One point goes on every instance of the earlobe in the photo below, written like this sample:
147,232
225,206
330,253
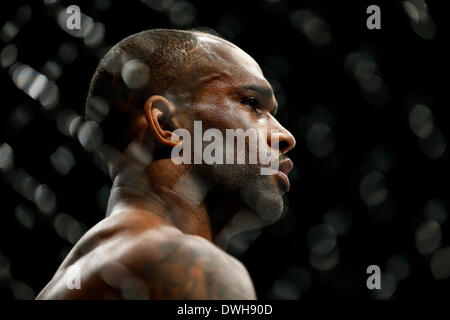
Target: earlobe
157,110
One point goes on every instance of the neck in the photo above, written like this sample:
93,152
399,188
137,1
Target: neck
175,194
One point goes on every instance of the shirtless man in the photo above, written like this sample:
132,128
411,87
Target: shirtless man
168,225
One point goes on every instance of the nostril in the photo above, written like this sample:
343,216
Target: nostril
283,145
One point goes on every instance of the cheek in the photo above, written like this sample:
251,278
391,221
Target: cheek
238,118
224,115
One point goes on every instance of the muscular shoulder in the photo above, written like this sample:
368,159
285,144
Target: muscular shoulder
132,260
173,265
99,258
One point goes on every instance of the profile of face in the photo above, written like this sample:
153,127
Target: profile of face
232,93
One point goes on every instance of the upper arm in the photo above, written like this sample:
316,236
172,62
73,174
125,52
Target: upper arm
188,267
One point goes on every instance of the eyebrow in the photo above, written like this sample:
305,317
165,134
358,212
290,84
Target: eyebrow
267,92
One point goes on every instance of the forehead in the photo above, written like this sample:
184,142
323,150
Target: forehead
229,64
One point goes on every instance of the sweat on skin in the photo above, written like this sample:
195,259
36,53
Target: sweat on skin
167,226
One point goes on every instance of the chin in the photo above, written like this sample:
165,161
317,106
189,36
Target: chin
269,207
264,199
261,194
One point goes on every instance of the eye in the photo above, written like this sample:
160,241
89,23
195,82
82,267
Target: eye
252,102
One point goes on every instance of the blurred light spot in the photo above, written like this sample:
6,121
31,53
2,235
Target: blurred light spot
75,125
19,117
49,97
64,120
68,228
52,69
62,160
8,55
85,23
119,277
31,82
325,262
135,74
338,220
421,22
434,209
182,13
24,184
320,140
299,276
388,287
5,268
372,83
112,273
94,34
133,288
157,4
413,12
373,189
141,154
98,109
380,94
21,75
428,236
37,86
321,239
421,120
90,135
6,157
284,289
425,30
353,61
239,244
440,263
398,267
23,14
364,68
45,199
22,291
434,145
312,26
9,31
24,216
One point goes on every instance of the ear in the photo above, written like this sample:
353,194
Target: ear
157,111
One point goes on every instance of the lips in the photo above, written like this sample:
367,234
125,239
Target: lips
284,168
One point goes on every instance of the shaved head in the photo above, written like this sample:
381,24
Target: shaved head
160,61
151,93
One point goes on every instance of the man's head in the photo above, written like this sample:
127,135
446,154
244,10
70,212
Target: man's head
158,81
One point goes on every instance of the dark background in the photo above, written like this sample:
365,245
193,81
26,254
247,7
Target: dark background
368,109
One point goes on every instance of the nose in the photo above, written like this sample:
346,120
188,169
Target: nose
286,140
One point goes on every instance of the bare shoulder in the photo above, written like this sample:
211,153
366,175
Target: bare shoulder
96,261
178,266
136,259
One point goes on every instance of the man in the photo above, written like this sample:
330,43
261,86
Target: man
168,224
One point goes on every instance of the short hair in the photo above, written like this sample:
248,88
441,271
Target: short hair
139,66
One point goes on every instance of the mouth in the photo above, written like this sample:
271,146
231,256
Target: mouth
284,168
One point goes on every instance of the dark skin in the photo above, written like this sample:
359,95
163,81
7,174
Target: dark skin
168,225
